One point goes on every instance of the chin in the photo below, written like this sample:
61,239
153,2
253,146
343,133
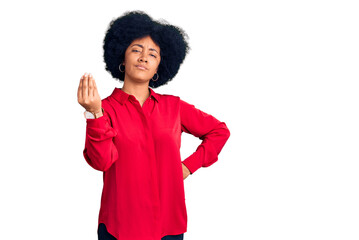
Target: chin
140,77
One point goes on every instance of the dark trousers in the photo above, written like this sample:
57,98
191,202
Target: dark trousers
104,235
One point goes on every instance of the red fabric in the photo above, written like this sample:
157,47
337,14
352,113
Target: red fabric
138,150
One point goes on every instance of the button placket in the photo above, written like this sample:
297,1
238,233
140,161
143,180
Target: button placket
154,173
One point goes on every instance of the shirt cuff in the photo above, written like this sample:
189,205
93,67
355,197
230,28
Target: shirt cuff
97,122
192,163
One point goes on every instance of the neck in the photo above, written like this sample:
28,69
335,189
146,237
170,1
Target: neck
140,91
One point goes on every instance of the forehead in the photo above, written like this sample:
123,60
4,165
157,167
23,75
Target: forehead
146,42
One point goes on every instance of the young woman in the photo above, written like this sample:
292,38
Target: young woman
134,135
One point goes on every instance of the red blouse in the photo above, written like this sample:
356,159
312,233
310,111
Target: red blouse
138,150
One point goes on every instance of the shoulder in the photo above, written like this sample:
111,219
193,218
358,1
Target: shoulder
168,103
176,100
168,97
164,98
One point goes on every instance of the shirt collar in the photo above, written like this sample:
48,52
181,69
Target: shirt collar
122,96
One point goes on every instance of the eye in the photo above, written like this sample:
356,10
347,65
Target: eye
134,50
153,55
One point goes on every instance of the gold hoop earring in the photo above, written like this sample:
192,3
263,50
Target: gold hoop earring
156,78
120,67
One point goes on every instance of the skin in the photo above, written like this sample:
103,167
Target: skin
144,52
141,51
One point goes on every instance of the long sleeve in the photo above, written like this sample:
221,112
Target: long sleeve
100,151
213,133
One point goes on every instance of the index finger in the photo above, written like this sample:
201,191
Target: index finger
79,90
84,86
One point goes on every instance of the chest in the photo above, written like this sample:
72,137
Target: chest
137,125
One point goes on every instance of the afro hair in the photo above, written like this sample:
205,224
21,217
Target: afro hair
132,25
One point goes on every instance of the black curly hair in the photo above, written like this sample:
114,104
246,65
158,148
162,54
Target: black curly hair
132,25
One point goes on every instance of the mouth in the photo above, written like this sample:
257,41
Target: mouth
141,67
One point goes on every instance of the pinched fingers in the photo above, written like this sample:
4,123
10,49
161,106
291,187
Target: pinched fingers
90,87
94,88
87,94
79,90
85,87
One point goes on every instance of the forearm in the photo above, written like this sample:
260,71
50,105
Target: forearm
207,152
100,151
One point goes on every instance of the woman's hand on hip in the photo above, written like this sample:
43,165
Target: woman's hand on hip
185,171
87,94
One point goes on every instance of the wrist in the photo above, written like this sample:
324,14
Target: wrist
89,114
99,112
186,168
94,110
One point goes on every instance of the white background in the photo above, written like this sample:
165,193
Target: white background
283,76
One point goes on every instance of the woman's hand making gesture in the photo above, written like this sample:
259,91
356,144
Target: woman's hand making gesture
87,94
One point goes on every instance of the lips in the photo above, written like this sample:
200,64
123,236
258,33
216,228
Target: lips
141,67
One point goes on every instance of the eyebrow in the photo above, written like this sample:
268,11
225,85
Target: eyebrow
152,49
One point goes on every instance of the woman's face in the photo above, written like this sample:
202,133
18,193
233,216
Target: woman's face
142,58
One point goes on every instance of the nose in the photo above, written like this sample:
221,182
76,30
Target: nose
143,58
